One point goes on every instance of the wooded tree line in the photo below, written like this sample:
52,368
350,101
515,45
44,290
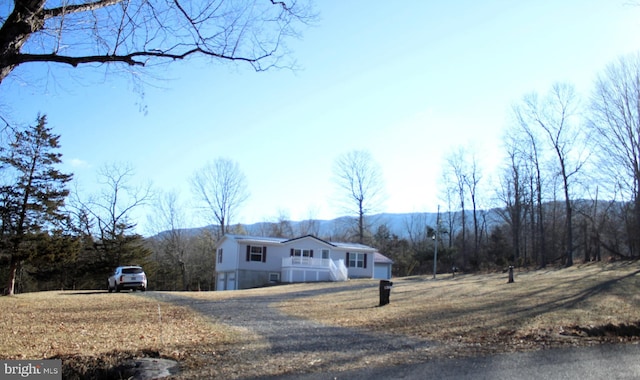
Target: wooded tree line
568,188
51,237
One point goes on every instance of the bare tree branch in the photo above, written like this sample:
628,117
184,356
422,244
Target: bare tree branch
360,177
134,32
221,188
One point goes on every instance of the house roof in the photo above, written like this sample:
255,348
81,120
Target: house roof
381,259
274,240
255,239
311,237
378,257
353,246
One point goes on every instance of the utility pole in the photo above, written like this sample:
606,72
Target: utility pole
435,238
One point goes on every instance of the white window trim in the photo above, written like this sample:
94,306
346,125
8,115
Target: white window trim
256,254
357,258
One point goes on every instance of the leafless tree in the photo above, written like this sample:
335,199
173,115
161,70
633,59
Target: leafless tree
527,158
280,226
449,218
417,229
615,121
473,181
463,173
118,198
170,241
419,239
108,216
555,117
455,176
537,220
140,33
309,226
221,188
512,192
360,178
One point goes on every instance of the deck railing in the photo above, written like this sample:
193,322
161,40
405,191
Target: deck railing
305,261
337,270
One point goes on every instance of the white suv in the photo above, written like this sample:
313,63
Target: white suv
127,277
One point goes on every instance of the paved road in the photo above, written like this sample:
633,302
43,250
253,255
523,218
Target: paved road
607,362
287,335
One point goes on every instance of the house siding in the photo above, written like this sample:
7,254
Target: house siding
248,279
272,263
364,272
229,256
251,274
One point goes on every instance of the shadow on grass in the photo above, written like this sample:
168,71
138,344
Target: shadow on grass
94,292
561,294
290,337
84,293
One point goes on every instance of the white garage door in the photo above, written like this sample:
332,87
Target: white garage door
381,271
221,281
231,281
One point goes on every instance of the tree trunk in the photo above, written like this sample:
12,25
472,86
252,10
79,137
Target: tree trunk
569,225
13,269
636,224
183,273
476,242
361,223
586,243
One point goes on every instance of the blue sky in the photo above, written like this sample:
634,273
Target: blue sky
408,81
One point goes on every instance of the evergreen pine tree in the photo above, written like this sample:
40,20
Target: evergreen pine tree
33,193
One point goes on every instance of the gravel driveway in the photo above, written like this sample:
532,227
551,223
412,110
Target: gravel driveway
299,345
301,349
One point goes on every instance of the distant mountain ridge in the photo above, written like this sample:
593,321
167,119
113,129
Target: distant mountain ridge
397,223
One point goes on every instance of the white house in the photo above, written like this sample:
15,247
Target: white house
244,262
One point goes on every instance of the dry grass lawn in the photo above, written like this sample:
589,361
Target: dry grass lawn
95,331
470,314
580,305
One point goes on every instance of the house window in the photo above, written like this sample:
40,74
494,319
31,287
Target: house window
274,277
301,256
325,253
219,255
303,253
357,260
256,253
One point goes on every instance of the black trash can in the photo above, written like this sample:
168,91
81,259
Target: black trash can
385,291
